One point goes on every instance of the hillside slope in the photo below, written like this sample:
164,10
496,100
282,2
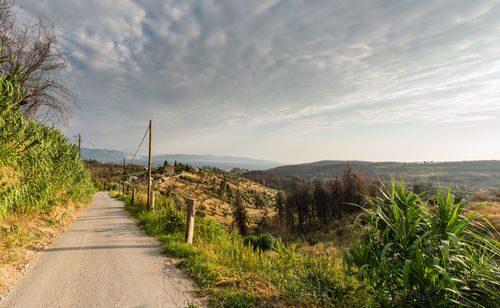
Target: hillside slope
215,193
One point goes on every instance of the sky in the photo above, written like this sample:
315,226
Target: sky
289,81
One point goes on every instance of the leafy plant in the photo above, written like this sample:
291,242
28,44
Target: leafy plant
266,241
251,240
411,255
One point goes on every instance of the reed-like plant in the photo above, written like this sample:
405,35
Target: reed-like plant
46,165
409,254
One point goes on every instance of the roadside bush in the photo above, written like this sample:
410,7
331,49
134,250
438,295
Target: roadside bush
98,185
408,255
209,229
251,240
266,241
173,221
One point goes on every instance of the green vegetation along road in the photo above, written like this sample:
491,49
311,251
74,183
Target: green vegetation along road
102,260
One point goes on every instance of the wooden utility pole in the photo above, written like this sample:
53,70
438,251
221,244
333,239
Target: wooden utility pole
149,166
123,177
79,145
189,220
152,207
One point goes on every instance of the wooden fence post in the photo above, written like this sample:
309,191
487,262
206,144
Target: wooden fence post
190,220
133,196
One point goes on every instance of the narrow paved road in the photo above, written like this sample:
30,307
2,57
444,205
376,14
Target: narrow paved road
102,260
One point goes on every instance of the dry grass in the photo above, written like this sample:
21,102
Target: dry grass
8,176
491,210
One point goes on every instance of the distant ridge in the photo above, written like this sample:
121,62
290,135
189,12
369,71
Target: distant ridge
221,162
108,156
466,175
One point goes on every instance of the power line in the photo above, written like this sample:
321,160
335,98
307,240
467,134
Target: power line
147,129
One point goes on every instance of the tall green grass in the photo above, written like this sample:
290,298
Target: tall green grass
39,167
411,254
238,275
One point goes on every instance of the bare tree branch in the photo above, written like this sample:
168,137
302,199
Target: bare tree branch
33,47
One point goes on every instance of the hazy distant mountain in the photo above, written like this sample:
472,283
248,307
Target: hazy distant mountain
222,162
466,175
108,156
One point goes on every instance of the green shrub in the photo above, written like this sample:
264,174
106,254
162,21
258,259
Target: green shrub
266,241
201,211
203,270
173,221
209,229
263,242
409,255
234,298
251,240
98,185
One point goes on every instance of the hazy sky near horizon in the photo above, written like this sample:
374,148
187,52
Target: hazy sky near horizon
289,81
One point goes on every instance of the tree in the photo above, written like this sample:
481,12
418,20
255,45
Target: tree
321,200
240,216
223,187
33,48
337,195
259,201
280,206
229,191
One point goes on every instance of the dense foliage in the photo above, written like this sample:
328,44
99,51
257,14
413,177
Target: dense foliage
38,165
411,254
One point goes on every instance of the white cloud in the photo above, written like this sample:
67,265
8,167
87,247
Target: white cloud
292,66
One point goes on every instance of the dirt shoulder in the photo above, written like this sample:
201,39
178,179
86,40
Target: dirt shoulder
24,236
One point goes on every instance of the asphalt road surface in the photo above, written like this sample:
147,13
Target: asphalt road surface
102,260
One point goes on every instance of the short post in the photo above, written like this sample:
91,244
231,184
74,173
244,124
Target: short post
133,196
190,220
152,199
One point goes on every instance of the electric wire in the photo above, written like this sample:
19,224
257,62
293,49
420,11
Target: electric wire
147,129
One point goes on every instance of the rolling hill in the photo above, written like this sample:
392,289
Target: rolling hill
462,175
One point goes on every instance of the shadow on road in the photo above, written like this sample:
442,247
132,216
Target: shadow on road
100,247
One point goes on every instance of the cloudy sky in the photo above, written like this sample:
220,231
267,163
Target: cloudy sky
289,81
